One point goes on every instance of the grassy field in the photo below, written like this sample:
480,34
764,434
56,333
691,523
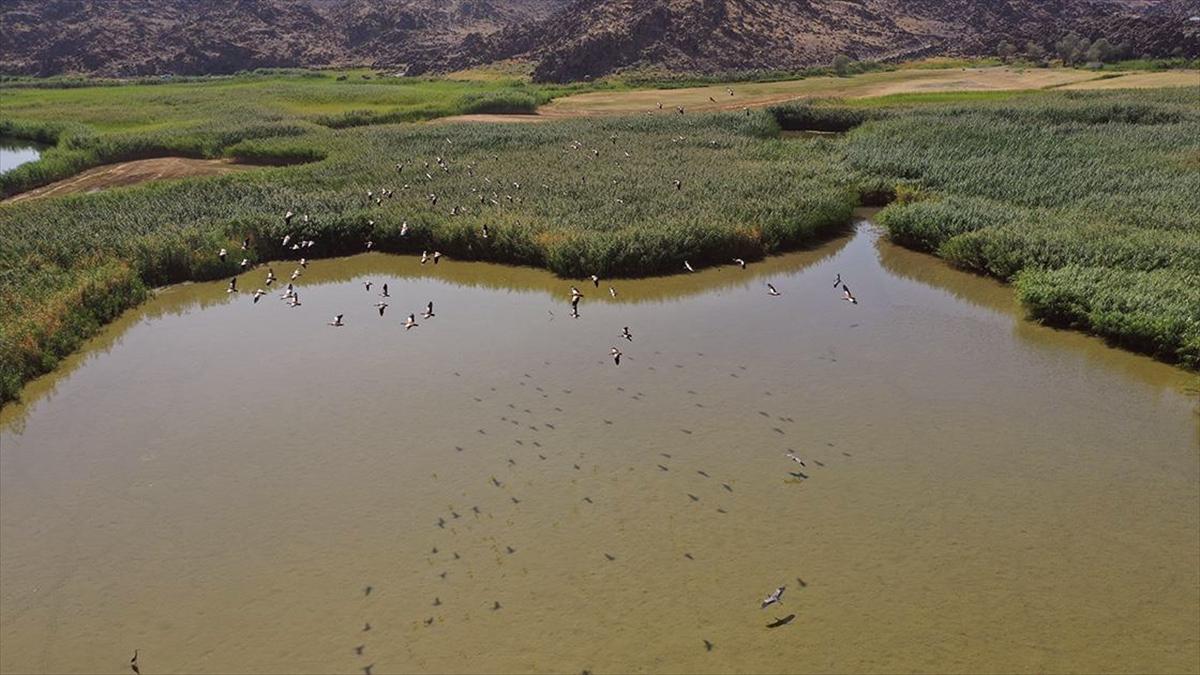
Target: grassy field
1087,201
94,125
1084,200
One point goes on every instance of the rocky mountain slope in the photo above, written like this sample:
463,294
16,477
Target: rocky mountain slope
564,39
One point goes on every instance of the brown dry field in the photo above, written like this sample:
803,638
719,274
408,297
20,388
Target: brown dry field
1170,78
756,94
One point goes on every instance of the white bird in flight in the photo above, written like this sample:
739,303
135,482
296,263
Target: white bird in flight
773,598
848,296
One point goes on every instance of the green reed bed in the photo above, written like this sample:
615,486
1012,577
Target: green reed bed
578,197
1087,201
1093,192
202,118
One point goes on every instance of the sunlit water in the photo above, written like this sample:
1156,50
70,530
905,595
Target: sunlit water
217,483
15,152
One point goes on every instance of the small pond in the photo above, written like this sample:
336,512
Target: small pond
17,151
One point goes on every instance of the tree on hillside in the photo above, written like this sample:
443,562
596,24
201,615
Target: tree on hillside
1100,51
1036,53
1072,48
1006,50
841,65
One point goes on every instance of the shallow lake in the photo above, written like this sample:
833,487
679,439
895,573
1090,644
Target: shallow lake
16,151
231,486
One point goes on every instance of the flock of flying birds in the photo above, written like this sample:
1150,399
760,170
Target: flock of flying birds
299,247
292,297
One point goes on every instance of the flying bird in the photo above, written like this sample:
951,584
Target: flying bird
382,306
222,255
428,313
688,266
232,286
741,263
773,598
616,354
411,322
848,296
838,281
626,334
258,294
337,321
772,291
133,664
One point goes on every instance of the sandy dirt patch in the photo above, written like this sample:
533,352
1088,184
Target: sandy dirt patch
131,173
1170,78
757,94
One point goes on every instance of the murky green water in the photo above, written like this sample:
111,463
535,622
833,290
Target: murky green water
216,483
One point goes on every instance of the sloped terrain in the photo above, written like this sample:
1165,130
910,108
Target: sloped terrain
563,39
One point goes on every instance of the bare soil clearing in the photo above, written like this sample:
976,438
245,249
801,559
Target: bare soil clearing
132,173
1170,78
757,94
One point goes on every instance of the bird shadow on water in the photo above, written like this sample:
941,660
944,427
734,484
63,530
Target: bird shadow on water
782,621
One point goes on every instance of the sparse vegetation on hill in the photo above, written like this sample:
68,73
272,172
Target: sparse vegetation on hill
564,40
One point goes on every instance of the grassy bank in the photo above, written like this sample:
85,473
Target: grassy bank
1076,197
205,117
578,197
1087,200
